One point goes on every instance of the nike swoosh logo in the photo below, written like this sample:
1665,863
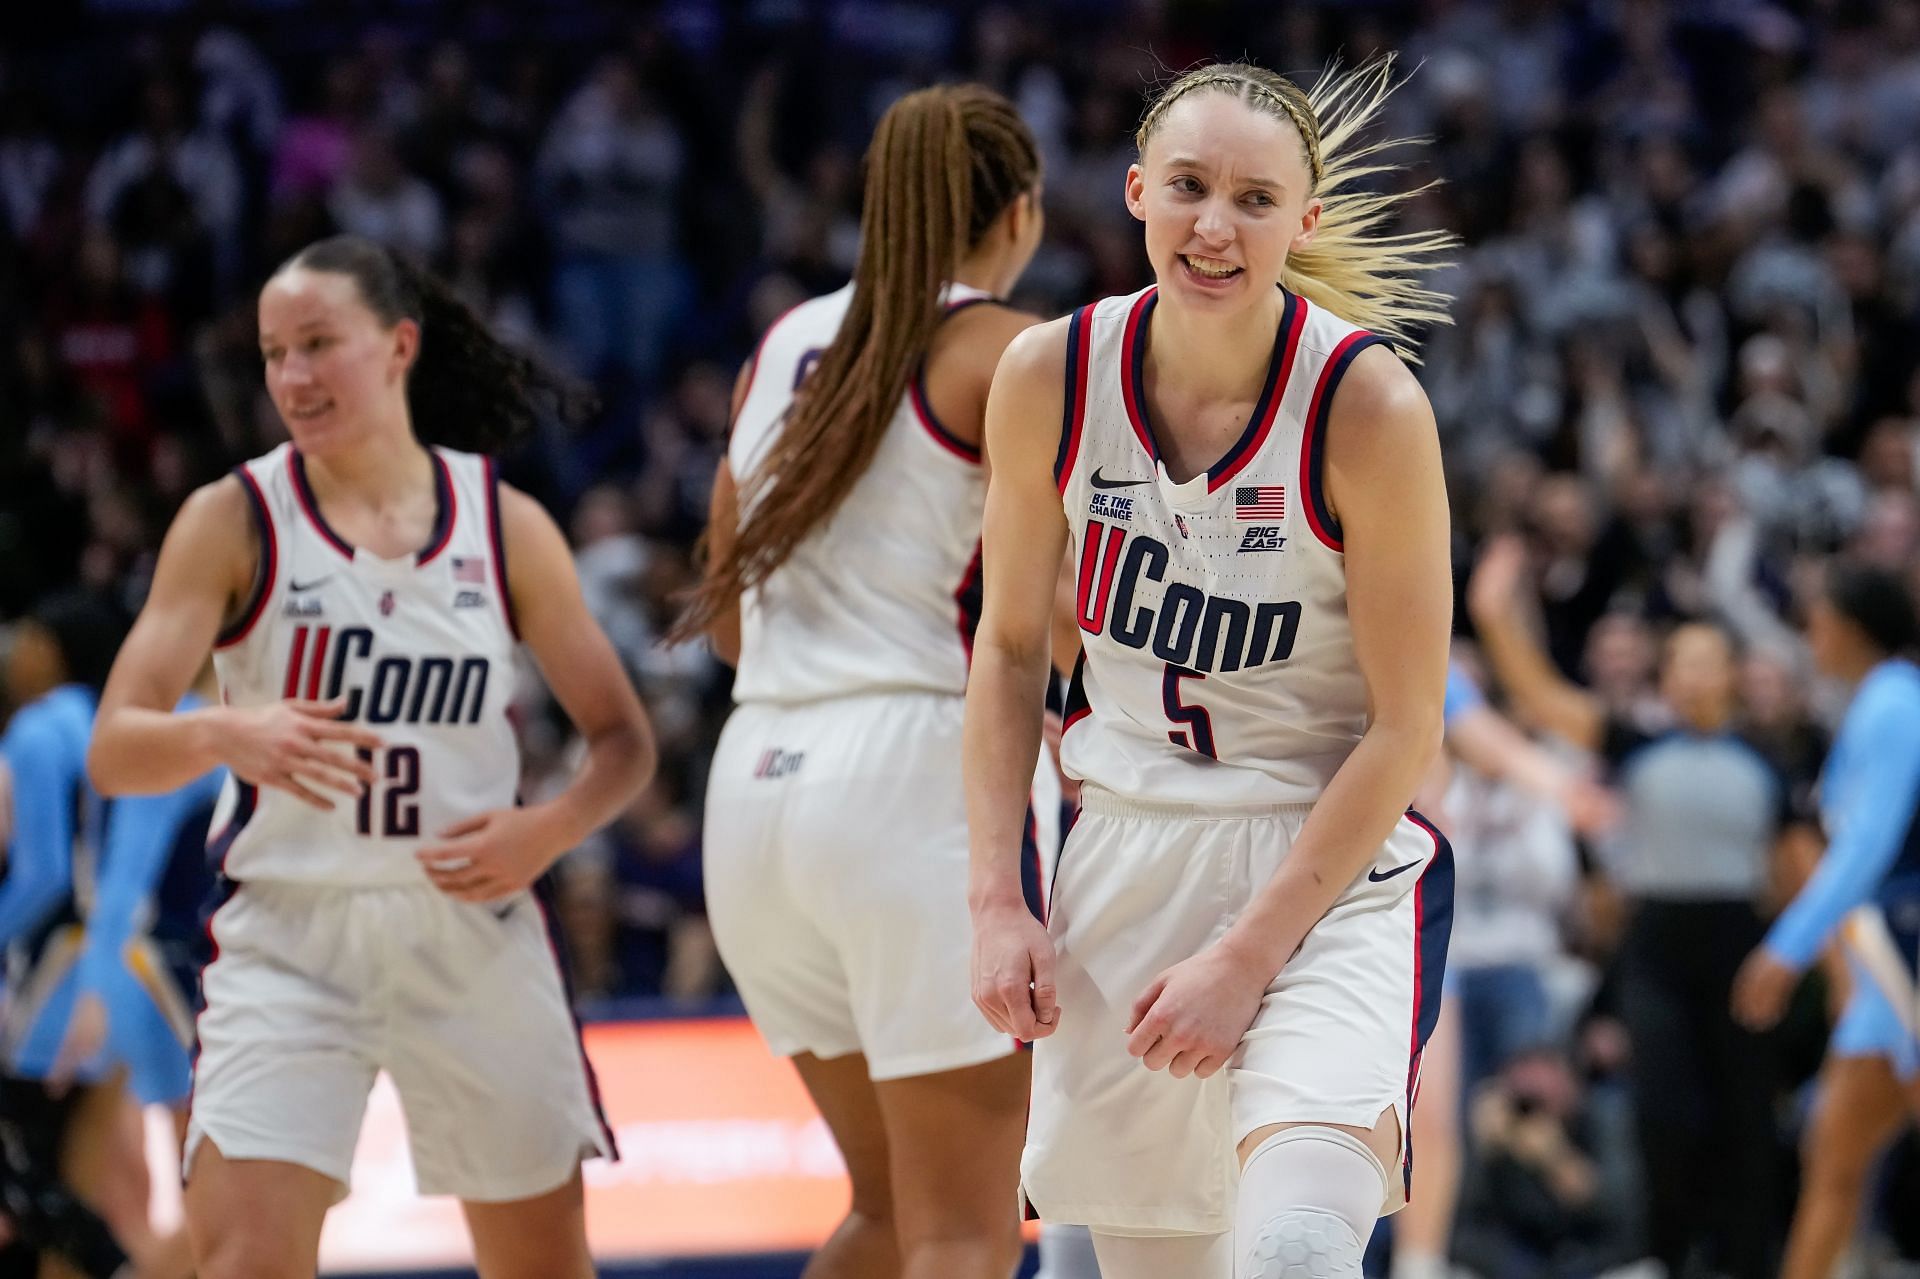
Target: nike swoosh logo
1101,482
307,586
1377,877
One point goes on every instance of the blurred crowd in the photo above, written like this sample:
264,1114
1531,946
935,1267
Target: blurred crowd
1682,367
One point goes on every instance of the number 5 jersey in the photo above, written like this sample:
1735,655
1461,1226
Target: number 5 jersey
1217,662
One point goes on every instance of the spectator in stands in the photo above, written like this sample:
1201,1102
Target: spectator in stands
1703,813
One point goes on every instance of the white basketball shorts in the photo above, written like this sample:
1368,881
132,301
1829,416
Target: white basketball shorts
313,990
836,875
1337,1039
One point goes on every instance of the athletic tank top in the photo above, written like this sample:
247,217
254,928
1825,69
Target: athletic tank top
1217,666
422,648
885,595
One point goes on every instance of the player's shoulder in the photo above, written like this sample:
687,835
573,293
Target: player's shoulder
1890,701
1037,351
221,508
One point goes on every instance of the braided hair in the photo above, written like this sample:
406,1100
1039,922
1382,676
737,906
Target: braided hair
944,164
467,389
1355,266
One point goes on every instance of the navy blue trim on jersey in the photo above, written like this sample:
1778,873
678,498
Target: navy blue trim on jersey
446,508
969,598
1032,884
1077,707
443,496
243,810
543,893
224,890
1259,423
1286,345
499,542
1432,929
922,409
1312,455
1133,377
263,572
1074,401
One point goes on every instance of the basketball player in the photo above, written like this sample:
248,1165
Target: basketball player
1244,953
1861,630
364,589
59,1136
843,581
139,974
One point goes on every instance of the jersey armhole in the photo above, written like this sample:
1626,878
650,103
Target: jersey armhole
923,404
499,541
1313,449
265,570
1073,410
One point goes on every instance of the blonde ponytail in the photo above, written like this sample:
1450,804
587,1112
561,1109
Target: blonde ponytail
1354,266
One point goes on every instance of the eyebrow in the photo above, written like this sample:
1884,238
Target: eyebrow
1189,162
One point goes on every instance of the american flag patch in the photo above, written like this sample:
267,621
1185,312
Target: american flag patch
470,568
1260,502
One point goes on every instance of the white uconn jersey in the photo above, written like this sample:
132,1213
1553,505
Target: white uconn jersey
1218,665
884,595
422,648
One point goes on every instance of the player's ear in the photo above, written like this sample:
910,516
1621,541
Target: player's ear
1309,226
1137,191
406,347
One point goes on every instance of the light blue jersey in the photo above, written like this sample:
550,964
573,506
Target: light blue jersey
57,821
1870,799
144,929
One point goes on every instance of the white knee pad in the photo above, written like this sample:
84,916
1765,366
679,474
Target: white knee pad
1308,1199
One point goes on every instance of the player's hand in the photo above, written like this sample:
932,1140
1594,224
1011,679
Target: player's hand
491,856
1592,808
86,1036
299,747
1495,582
1192,1017
1761,990
1013,971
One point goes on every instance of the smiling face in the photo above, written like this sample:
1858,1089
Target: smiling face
1224,191
333,369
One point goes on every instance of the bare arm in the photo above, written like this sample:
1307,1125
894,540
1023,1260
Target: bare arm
723,525
141,746
488,856
1024,540
582,669
1491,744
1384,478
1540,694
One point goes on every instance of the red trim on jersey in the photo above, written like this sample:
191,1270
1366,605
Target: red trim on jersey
269,564
1319,517
753,361
1074,403
1133,372
1292,323
319,660
291,689
917,396
499,541
449,511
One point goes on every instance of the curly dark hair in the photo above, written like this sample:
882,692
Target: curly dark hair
467,389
